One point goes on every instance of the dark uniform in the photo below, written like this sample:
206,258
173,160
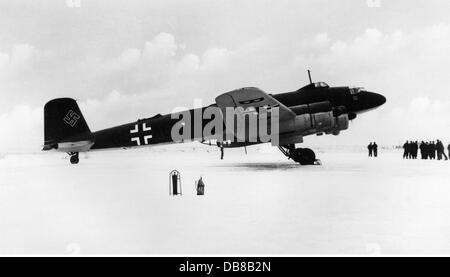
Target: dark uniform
415,149
423,150
370,147
406,150
433,150
440,150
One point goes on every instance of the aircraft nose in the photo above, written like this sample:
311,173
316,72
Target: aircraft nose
370,100
376,99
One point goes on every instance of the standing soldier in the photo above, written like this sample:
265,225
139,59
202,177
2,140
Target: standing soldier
405,150
448,148
423,150
443,151
429,153
416,149
439,149
411,149
375,148
370,147
432,150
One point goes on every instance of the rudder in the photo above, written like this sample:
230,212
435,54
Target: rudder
64,122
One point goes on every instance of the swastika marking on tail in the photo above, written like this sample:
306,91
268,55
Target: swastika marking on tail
71,118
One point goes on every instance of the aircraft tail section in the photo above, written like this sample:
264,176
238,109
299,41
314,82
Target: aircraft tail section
65,128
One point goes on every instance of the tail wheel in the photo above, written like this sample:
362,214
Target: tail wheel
74,159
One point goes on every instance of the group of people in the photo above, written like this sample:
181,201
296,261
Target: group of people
373,149
428,150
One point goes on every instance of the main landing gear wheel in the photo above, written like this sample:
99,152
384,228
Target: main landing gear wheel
303,156
74,159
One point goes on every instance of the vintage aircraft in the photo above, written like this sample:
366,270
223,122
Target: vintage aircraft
313,109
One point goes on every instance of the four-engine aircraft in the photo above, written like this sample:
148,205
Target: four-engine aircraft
313,109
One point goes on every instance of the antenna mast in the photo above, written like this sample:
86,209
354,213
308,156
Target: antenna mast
309,75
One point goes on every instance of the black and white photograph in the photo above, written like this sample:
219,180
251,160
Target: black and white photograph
237,128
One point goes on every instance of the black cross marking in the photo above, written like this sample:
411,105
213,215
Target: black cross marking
143,134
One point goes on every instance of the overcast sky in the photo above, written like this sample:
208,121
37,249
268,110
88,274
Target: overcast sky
124,60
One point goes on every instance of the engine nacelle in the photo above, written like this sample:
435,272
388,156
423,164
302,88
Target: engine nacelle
326,122
337,111
313,108
341,123
321,122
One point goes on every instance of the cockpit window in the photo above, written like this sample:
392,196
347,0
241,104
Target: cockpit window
321,85
356,90
315,85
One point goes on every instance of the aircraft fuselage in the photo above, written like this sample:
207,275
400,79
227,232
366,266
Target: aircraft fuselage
157,129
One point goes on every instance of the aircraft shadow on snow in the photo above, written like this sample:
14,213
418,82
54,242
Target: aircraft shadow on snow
261,166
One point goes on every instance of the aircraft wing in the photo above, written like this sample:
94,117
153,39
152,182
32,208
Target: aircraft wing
252,99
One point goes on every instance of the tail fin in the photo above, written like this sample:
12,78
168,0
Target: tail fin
63,122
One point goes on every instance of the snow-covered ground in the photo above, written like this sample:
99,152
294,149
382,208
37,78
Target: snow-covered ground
118,202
